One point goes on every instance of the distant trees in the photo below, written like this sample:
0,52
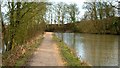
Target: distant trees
63,12
101,13
99,10
23,22
73,12
60,14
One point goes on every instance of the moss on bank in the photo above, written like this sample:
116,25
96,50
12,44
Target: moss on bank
20,54
68,55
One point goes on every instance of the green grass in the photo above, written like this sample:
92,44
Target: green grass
68,55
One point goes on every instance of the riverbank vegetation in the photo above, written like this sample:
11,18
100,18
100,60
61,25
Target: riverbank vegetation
21,25
69,56
21,54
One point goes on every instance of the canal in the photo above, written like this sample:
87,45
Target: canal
95,49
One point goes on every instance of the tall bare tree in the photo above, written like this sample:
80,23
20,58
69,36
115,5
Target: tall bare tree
73,12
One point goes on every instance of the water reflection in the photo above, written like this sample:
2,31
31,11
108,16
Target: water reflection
98,50
0,56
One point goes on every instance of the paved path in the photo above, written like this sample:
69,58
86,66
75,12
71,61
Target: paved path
47,54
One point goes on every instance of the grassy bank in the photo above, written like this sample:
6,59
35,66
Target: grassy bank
68,55
20,54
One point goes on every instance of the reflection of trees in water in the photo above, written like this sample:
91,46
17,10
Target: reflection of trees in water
96,49
0,47
74,40
62,36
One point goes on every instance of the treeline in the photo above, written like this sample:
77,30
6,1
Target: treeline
105,26
59,14
100,17
24,21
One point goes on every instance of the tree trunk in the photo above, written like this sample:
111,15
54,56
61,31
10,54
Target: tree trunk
3,30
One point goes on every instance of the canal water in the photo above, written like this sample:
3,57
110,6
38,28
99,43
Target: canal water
95,49
0,50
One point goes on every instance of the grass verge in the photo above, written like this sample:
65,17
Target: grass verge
68,55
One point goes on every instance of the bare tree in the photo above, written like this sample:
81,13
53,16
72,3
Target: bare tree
73,12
